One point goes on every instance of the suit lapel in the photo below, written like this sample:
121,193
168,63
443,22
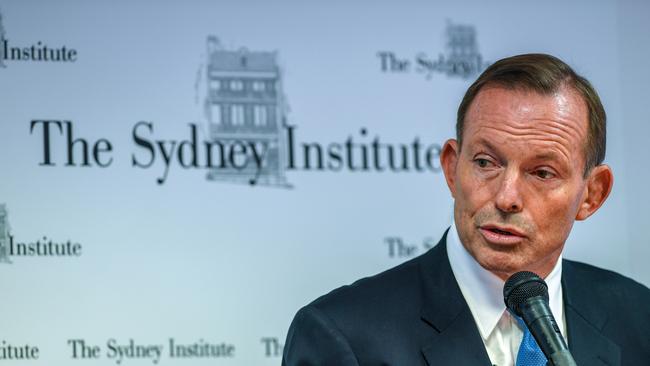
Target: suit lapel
585,321
456,339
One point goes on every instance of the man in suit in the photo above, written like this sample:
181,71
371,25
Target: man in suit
526,163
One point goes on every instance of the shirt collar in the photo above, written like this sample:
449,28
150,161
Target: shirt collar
483,290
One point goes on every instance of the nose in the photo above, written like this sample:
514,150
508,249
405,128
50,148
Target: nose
508,197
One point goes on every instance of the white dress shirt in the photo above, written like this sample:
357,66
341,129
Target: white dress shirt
483,292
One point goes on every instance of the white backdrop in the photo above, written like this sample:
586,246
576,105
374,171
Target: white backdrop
219,266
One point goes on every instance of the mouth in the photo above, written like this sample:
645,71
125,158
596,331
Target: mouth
501,235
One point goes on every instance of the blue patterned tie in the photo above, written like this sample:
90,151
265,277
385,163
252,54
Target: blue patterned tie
529,352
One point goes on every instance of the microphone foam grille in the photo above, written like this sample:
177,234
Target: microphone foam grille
522,286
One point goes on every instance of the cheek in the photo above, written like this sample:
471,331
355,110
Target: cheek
554,215
471,191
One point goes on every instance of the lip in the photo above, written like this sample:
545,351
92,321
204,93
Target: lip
515,236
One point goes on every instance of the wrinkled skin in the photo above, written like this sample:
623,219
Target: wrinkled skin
518,179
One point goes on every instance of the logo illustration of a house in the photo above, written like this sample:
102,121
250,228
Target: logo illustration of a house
4,235
462,50
245,102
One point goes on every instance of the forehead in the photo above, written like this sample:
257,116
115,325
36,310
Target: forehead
506,116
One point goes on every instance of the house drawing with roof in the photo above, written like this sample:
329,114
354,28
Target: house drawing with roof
462,50
4,234
245,102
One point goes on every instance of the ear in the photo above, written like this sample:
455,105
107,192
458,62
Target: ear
599,184
448,161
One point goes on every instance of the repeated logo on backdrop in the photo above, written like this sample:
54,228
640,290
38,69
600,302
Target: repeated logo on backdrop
41,247
461,59
38,51
250,137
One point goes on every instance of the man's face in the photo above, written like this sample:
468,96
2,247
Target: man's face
518,178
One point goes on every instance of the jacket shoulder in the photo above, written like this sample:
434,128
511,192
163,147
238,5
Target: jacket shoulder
377,310
375,293
607,285
374,318
616,305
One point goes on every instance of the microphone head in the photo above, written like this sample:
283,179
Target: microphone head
522,286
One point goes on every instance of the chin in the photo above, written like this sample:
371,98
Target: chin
501,264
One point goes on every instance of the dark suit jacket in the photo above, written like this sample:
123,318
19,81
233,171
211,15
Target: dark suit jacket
415,314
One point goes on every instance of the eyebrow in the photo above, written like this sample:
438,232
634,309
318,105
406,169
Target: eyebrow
547,155
486,143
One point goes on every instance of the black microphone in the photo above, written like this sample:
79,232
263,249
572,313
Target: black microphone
526,295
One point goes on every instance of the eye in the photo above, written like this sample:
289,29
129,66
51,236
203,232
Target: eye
544,174
483,163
